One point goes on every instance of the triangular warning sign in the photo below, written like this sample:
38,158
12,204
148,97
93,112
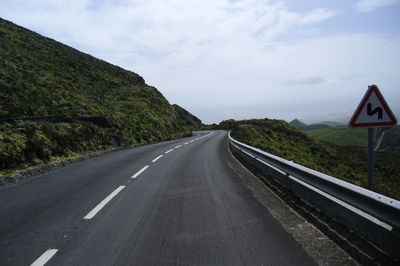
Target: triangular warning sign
372,111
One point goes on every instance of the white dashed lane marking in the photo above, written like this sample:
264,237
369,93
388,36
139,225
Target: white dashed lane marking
100,206
138,173
158,157
42,260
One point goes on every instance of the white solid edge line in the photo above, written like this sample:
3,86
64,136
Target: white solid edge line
100,206
168,151
138,173
177,146
42,260
158,157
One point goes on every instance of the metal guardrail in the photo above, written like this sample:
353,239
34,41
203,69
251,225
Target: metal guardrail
372,215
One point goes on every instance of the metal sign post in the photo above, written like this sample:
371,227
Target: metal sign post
372,112
371,158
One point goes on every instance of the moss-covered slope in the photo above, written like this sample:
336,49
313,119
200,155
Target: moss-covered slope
186,118
42,77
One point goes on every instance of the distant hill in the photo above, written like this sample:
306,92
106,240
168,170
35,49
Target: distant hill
185,117
358,137
298,124
344,162
40,77
302,126
341,136
333,123
326,118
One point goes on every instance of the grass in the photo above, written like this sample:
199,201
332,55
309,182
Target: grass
341,136
187,118
28,144
53,159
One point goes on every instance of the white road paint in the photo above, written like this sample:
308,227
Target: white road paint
100,206
186,143
177,146
192,141
158,157
42,260
138,173
168,151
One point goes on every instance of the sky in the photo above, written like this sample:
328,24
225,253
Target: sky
240,59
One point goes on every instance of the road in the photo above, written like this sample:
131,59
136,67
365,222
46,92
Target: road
170,203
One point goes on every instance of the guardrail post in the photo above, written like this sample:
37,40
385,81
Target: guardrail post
371,158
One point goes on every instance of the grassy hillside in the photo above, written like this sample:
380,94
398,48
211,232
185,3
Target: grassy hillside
300,125
42,77
341,136
333,123
187,118
348,163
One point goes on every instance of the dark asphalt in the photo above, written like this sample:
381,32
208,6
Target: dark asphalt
187,208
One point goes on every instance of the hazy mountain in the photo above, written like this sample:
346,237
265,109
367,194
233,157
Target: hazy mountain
341,118
302,126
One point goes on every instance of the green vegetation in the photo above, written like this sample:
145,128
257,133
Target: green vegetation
358,137
187,118
348,163
341,136
333,123
33,143
41,77
300,125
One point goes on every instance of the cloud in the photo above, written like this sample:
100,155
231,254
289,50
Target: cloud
170,32
370,5
307,81
318,15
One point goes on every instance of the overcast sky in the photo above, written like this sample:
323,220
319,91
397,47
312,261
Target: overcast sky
238,59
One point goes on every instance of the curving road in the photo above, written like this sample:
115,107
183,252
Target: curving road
171,203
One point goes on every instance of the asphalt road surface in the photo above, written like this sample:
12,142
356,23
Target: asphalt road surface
170,203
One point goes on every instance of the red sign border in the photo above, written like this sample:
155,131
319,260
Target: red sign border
372,89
